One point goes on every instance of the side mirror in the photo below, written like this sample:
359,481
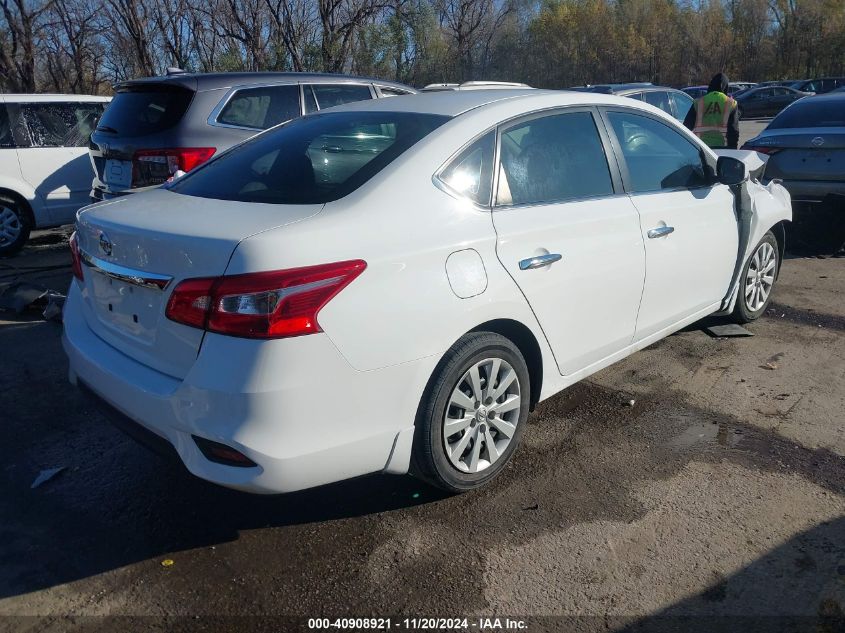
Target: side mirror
731,171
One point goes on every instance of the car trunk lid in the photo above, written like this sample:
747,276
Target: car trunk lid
137,249
804,154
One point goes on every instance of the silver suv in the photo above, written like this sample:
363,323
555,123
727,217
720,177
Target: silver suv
158,127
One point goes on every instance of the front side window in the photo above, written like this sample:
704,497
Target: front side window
683,102
61,124
330,95
471,172
657,156
311,160
261,108
552,158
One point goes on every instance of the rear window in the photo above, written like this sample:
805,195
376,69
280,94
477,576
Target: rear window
310,160
146,111
5,129
811,112
60,124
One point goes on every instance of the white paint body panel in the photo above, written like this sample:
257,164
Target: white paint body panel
342,403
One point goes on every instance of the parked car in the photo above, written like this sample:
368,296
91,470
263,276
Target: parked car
407,278
767,101
777,82
734,88
159,126
819,86
45,175
806,148
671,101
473,85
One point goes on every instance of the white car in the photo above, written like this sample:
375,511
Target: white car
45,173
393,285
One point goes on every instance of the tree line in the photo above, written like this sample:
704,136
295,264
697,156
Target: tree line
85,46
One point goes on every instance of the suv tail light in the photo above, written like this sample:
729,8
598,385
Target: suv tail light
75,257
157,166
274,304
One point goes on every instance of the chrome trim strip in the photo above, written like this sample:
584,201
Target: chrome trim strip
127,275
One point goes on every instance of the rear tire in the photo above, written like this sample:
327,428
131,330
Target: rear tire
15,226
757,280
473,413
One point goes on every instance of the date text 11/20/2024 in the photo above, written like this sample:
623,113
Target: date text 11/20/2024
419,624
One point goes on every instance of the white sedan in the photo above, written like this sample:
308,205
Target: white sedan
392,286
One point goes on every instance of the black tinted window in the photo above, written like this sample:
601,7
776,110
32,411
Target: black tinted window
148,111
314,159
657,156
812,112
330,95
261,108
552,158
5,128
471,172
61,124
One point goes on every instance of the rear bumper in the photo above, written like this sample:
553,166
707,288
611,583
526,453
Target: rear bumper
814,191
100,191
295,407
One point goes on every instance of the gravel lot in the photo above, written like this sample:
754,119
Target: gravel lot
721,491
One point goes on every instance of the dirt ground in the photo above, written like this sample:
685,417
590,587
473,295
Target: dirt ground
720,492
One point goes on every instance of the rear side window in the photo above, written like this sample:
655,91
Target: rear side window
552,158
471,172
812,112
392,92
261,108
144,111
657,156
5,129
330,95
311,160
61,124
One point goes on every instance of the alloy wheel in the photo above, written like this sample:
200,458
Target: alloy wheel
760,277
10,226
482,415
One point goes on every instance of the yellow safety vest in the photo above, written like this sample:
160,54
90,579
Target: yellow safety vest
712,112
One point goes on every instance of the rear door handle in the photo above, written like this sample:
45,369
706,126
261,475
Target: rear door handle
539,261
660,231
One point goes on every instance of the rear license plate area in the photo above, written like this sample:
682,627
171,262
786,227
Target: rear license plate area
124,307
118,174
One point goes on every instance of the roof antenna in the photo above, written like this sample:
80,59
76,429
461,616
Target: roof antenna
175,70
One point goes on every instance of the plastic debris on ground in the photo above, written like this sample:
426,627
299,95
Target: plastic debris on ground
167,562
19,296
46,475
727,330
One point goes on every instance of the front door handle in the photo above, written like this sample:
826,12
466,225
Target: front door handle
660,231
539,261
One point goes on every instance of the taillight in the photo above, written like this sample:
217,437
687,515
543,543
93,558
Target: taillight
157,166
75,257
765,149
274,304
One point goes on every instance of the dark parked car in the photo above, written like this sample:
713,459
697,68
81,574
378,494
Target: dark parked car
160,126
674,102
767,101
734,88
806,148
819,86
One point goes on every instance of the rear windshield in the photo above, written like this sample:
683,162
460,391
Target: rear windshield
312,160
145,111
811,112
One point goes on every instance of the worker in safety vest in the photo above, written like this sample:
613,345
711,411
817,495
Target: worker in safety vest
714,117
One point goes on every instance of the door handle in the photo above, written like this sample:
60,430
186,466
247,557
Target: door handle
539,261
660,231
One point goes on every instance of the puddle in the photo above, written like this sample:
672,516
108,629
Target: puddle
717,433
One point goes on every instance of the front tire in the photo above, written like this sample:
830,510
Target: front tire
14,227
757,280
473,413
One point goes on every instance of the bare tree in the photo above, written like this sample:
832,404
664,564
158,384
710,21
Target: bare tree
18,44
